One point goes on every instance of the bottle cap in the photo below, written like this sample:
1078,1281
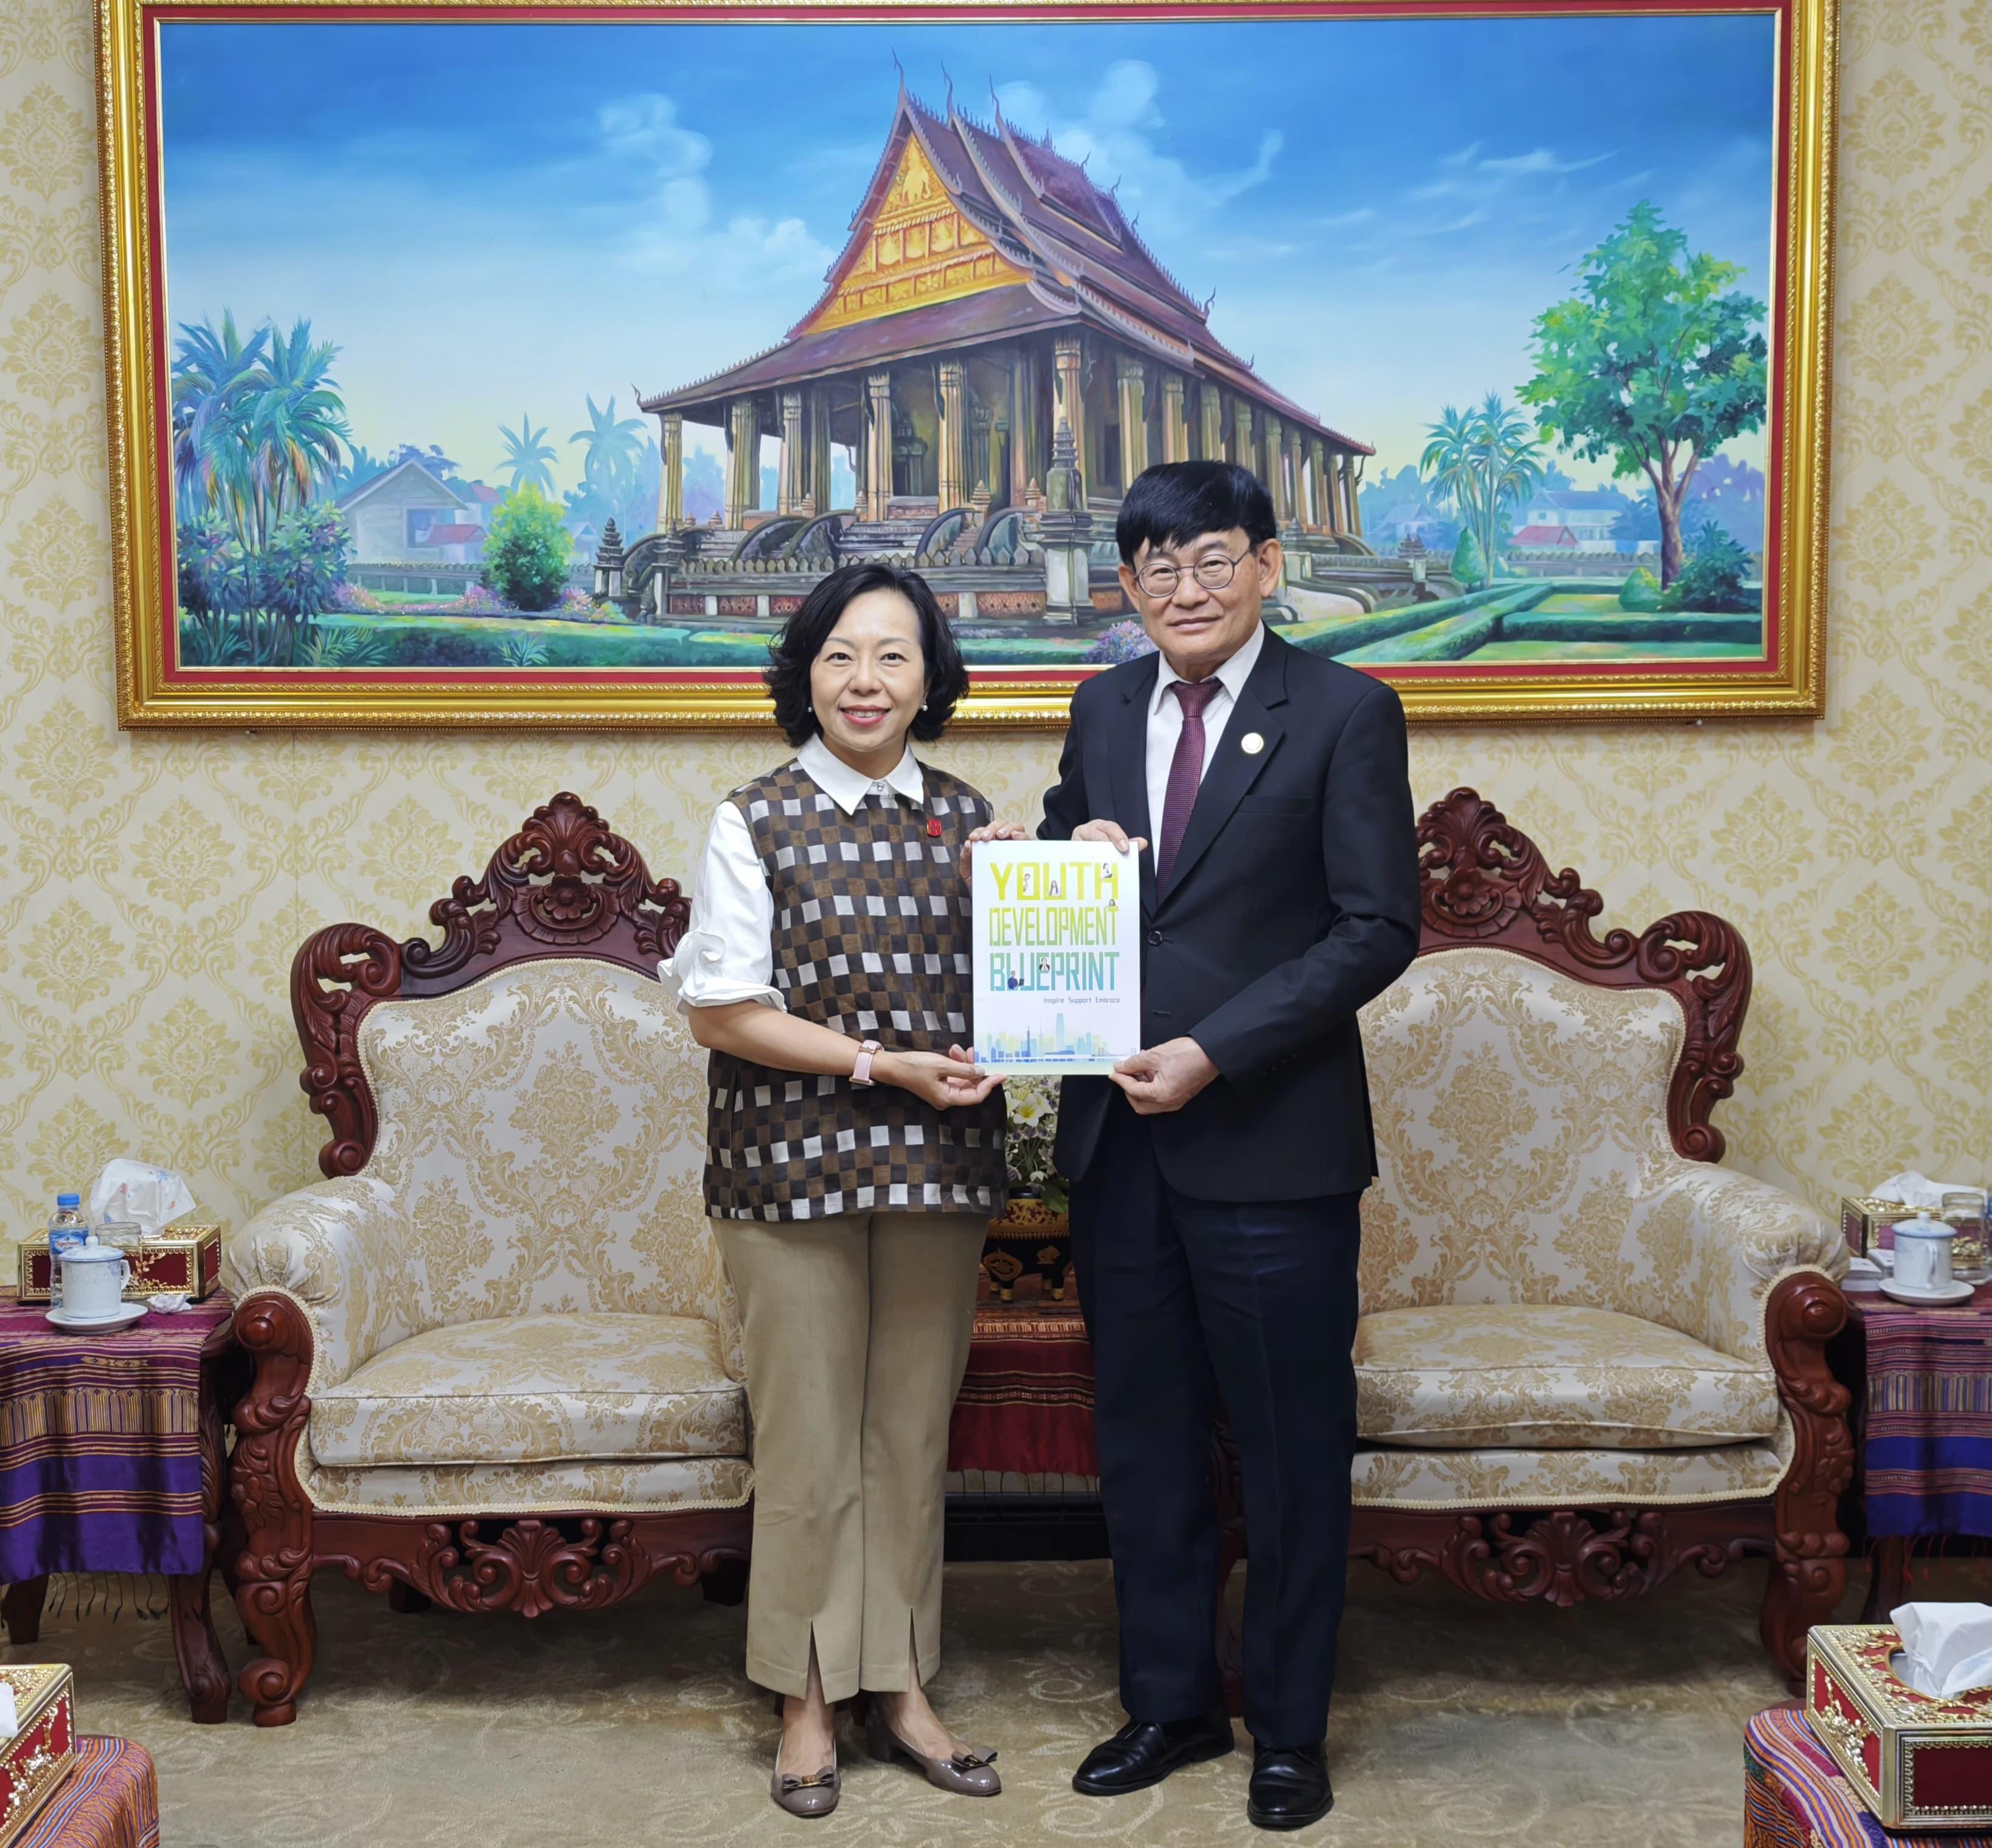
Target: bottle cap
70,1200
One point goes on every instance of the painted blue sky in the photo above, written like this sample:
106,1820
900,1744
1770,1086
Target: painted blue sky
493,219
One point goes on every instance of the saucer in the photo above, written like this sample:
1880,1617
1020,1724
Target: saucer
127,1313
1957,1293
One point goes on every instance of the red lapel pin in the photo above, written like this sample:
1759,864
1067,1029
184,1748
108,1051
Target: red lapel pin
934,827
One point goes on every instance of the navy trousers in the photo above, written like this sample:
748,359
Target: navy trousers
1193,1304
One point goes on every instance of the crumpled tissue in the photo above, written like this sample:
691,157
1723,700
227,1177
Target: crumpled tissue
136,1191
1947,1648
1909,1188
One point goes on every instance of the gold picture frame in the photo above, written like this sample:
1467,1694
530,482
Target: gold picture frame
695,590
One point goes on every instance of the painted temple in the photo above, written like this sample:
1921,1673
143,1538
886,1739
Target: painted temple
993,318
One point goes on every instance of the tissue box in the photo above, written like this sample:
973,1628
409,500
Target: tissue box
1866,1224
36,1760
184,1257
1917,1762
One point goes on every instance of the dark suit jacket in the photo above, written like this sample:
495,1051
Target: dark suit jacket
1294,899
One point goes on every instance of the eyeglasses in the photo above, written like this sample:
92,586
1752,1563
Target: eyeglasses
1214,571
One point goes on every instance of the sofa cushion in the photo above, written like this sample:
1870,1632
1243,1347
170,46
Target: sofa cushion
1474,1375
538,1388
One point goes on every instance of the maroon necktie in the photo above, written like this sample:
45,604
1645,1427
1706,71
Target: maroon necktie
1186,769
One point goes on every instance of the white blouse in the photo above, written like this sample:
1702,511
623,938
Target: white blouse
727,953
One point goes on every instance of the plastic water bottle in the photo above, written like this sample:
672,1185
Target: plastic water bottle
68,1229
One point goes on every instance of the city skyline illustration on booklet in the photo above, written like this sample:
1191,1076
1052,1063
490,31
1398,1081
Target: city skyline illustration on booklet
1058,956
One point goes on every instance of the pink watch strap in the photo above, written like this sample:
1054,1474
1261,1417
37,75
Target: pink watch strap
860,1073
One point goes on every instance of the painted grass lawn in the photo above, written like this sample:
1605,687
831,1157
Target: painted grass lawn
1570,624
1616,651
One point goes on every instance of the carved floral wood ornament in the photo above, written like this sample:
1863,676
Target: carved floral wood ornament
565,884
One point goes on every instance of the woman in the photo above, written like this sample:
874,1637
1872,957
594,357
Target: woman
854,1156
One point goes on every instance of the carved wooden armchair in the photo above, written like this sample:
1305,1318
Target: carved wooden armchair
1587,1356
497,1363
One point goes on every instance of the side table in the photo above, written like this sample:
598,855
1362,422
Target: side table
1026,1401
113,1458
1921,1382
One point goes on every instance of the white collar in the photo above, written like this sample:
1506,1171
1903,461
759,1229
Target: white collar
1232,676
847,788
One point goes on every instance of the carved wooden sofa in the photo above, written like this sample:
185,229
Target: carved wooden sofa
1587,1356
496,1359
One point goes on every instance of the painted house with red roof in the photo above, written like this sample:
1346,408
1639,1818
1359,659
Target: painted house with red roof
990,291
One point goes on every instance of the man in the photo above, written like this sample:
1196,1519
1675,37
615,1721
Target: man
1215,1179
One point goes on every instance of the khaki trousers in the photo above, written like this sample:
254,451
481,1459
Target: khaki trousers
856,1330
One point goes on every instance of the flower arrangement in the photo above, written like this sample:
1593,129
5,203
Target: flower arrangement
1033,1109
1124,642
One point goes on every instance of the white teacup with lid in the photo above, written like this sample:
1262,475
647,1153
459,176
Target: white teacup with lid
95,1275
1922,1254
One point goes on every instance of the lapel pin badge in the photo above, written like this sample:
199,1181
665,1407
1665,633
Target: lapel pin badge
1251,744
934,827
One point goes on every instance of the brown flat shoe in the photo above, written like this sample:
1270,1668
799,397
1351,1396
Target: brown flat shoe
967,1773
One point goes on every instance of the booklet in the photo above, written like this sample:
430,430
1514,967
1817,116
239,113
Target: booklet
1058,956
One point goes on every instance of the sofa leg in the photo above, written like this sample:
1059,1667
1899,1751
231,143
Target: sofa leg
726,1584
1809,1566
273,1570
278,1614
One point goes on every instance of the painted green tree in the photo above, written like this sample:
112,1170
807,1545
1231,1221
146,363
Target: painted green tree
1654,363
527,551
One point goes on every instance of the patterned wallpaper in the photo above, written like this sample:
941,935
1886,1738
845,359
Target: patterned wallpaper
153,887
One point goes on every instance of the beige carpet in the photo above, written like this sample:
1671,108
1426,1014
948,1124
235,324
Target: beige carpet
1455,1722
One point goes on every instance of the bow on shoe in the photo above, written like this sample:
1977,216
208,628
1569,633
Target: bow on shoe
818,1780
972,1761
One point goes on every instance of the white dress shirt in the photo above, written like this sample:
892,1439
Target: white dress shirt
1165,721
727,953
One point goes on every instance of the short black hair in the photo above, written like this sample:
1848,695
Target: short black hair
1174,503
793,651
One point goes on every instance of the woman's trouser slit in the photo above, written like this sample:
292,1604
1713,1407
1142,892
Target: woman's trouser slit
856,1330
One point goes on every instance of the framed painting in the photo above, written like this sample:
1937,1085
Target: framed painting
512,362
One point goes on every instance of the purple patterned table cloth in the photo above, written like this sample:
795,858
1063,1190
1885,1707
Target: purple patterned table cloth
101,1442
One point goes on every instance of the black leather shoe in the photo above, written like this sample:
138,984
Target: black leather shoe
1290,1788
1145,1751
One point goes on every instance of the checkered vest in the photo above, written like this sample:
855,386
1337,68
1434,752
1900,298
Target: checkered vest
871,937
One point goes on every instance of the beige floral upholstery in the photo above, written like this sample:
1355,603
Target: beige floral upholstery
1553,1298
1467,1376
537,1388
1571,1479
520,1293
666,1484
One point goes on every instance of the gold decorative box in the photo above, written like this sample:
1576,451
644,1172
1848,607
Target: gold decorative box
1866,1224
184,1258
1917,1761
43,1753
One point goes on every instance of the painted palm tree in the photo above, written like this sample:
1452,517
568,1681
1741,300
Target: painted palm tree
216,374
1485,460
527,454
298,426
1509,461
613,444
1451,463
